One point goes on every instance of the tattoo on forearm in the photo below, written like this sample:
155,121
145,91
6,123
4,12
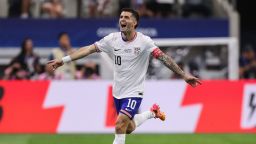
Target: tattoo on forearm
170,63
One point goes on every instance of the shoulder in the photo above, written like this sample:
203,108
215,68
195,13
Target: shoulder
143,37
113,35
147,42
36,56
56,50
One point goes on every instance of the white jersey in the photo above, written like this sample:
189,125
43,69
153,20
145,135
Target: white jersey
130,62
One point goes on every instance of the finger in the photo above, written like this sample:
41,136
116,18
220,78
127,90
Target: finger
53,67
196,80
199,82
193,85
51,61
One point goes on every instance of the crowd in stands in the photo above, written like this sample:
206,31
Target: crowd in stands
106,8
26,65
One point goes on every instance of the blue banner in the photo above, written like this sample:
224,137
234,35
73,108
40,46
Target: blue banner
44,32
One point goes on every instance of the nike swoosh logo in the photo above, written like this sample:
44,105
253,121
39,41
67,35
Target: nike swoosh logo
117,49
127,109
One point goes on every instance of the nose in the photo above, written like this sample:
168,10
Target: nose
122,19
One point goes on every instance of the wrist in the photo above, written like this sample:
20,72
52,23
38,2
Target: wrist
66,59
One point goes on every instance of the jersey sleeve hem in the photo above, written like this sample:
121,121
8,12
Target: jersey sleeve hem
97,48
156,52
153,48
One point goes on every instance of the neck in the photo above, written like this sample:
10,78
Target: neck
28,53
66,48
128,35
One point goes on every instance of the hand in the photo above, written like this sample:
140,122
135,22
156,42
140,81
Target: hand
191,80
54,64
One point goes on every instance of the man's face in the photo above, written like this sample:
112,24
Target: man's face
29,45
250,55
126,22
64,41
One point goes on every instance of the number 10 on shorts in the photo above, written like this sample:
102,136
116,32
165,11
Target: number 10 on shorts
131,103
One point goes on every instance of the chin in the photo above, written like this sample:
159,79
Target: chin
123,30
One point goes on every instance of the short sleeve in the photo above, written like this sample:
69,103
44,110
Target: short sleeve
150,44
103,45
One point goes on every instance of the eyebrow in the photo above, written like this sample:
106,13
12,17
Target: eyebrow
125,15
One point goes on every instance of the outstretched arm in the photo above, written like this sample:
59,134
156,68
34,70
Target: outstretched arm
171,64
80,53
83,52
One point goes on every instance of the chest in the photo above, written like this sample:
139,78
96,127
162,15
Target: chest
127,50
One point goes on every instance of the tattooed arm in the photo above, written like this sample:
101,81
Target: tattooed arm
171,64
168,62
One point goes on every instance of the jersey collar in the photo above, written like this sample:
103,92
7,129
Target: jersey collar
129,40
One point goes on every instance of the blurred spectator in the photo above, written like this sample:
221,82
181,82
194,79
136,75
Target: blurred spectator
25,65
38,71
68,70
52,9
142,9
125,4
194,68
99,8
197,8
92,8
88,71
152,7
19,8
158,8
247,68
107,8
165,8
15,71
48,74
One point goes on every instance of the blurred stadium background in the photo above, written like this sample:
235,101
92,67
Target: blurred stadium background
214,40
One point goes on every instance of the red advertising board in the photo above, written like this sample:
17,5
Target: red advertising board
51,107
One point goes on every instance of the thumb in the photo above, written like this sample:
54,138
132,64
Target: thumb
51,61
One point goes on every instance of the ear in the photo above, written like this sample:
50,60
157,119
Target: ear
134,22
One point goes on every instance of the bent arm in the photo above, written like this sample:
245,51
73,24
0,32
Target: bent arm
168,62
171,64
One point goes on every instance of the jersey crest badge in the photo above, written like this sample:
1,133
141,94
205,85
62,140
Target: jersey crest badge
137,50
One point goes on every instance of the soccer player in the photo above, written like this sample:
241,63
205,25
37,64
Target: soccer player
130,51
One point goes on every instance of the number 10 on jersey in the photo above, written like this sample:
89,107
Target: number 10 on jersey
117,60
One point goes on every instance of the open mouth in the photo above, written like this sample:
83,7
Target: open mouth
123,25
